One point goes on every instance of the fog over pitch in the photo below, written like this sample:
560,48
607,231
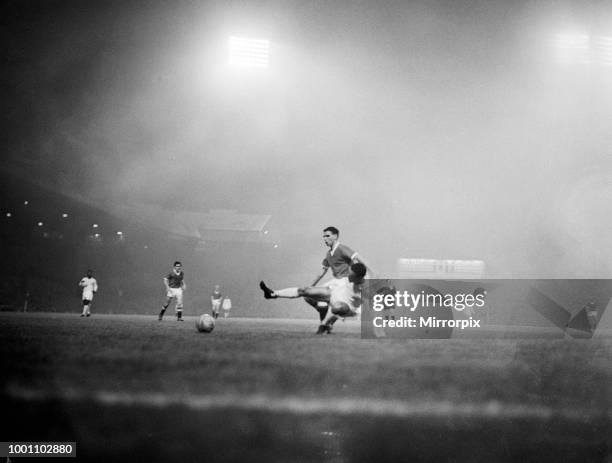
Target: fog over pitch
423,129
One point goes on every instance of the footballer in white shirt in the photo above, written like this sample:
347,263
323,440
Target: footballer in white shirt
90,287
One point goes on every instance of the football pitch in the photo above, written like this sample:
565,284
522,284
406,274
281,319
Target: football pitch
130,388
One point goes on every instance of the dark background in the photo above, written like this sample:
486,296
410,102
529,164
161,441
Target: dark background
434,129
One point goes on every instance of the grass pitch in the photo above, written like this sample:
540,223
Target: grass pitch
132,388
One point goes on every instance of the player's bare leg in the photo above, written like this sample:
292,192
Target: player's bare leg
343,310
164,307
319,293
310,294
319,306
179,306
215,310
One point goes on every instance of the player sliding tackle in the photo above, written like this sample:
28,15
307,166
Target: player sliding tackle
344,299
338,259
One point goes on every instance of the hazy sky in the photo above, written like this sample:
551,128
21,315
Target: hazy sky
446,129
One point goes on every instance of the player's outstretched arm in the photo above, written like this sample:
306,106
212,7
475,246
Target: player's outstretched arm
321,275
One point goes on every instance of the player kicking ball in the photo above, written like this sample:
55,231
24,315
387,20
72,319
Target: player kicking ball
338,259
344,299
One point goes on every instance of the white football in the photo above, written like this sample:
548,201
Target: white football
205,324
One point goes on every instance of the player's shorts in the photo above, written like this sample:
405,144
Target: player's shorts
344,299
335,282
331,284
216,305
87,296
176,293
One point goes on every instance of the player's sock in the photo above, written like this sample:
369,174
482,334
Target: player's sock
268,293
289,293
161,314
322,313
179,315
330,323
322,329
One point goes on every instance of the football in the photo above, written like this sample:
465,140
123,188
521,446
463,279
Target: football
205,324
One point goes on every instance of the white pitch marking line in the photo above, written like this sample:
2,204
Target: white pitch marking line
336,406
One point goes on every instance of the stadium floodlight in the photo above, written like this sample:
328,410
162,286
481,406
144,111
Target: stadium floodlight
250,53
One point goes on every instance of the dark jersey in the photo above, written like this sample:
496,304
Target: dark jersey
175,280
216,295
339,260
